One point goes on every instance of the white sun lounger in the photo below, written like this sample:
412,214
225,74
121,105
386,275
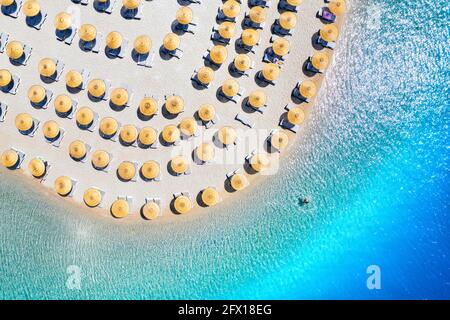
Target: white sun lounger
3,41
15,85
245,120
285,124
21,155
3,111
56,143
13,10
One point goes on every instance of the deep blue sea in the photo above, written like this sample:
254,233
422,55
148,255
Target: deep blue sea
374,157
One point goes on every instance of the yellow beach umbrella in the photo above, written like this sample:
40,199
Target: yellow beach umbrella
24,122
150,211
210,196
337,6
84,116
231,9
174,104
97,88
320,60
36,94
257,99
238,181
119,97
74,79
126,171
63,185
227,135
171,41
188,126
6,3
281,46
50,129
242,62
179,164
150,170
92,197
206,112
296,116
128,134
218,54
227,29
184,15
5,77
260,162
87,32
14,50
31,8
100,159
114,40
279,140
288,20
147,136
182,204
120,209
37,168
63,104
77,150
9,158
148,106
109,126
171,134
205,152
271,71
308,89
142,44
257,14
250,37
205,75
63,21
329,33
47,67
131,4
294,3
230,87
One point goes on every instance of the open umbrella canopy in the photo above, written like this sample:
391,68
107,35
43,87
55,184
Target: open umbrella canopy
77,150
205,75
36,94
230,87
84,116
97,88
260,162
227,29
31,8
329,33
147,136
250,37
142,44
100,159
184,15
179,164
151,210
337,7
308,89
279,140
63,21
257,14
47,67
294,3
182,204
87,32
74,79
218,54
238,181
62,103
131,4
271,71
288,20
227,135
50,129
128,133
210,196
205,152
231,9
257,99
150,169
171,134
281,46
24,122
296,116
37,167
9,158
119,97
148,106
63,185
171,41
242,62
5,78
320,60
126,170
92,197
120,209
206,112
109,126
175,104
114,40
188,126
14,50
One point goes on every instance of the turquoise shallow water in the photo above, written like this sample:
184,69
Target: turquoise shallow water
374,157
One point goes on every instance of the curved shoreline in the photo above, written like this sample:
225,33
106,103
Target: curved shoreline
252,178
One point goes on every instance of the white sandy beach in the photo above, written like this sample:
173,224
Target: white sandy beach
165,78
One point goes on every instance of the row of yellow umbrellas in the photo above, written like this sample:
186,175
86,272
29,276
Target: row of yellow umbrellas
36,166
